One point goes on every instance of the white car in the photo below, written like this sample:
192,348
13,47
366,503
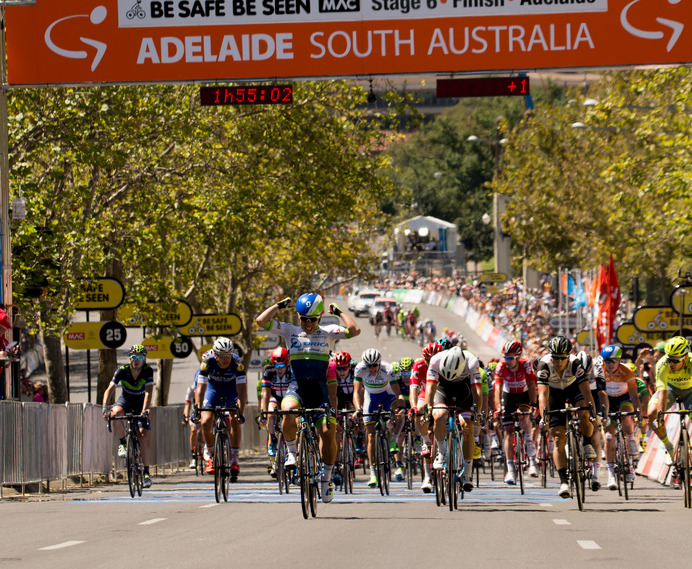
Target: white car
360,300
379,305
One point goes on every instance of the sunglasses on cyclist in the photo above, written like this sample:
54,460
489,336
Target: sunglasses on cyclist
510,358
561,358
309,318
279,366
137,358
674,360
611,360
372,366
343,368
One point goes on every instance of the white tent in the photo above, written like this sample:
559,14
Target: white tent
420,231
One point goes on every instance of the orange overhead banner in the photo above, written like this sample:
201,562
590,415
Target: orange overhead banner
124,41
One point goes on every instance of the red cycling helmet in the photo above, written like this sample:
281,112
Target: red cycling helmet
512,348
430,349
279,356
342,359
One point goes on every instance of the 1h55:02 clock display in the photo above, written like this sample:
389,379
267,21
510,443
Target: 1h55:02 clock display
247,95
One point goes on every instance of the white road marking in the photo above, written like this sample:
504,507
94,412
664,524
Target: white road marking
154,521
588,544
209,506
61,545
561,523
545,505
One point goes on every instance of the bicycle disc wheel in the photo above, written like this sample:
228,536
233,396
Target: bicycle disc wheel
131,465
304,468
226,468
685,474
218,467
451,472
575,470
519,458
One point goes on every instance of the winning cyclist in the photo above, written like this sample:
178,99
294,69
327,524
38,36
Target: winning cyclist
561,377
454,380
375,384
275,381
515,390
674,375
137,382
419,373
309,345
222,383
621,387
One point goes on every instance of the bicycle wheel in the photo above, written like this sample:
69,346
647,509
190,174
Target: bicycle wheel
519,457
451,472
131,464
440,488
543,450
408,458
619,463
575,469
226,483
218,467
279,459
685,458
383,464
314,481
304,472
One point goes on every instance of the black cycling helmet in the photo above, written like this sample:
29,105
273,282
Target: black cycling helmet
560,346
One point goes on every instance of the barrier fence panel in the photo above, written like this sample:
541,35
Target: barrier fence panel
74,419
12,443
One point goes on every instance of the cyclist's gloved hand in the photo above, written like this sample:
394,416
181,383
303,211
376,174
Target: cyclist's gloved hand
106,411
358,414
241,418
262,421
542,425
414,411
334,309
284,303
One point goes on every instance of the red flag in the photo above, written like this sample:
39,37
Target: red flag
601,302
613,296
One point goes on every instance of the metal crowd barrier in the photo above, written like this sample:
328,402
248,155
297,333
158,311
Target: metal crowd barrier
42,443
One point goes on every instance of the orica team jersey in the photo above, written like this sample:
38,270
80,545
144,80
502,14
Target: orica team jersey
470,374
133,387
619,382
272,381
211,373
309,353
676,380
381,382
546,374
514,381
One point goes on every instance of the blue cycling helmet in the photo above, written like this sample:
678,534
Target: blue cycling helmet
611,352
445,343
310,304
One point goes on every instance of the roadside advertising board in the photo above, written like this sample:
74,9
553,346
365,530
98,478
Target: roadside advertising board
628,335
154,41
100,294
493,277
179,316
212,325
168,347
659,319
95,335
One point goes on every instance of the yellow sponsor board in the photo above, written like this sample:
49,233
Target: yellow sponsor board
659,319
179,316
584,337
168,347
100,294
493,278
84,336
628,335
212,325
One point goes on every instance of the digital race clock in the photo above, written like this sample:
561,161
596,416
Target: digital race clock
247,95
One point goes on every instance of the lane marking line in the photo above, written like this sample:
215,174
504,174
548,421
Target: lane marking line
545,505
561,523
588,544
209,506
154,521
61,545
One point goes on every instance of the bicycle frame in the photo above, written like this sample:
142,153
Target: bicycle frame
222,450
518,446
575,458
682,461
622,460
133,459
382,458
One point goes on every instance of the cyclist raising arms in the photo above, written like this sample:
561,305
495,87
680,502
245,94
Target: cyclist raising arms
222,383
561,377
621,387
454,380
515,390
419,374
674,375
309,345
137,381
376,384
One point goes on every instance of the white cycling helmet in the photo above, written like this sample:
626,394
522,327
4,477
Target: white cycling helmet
452,363
586,361
371,357
223,346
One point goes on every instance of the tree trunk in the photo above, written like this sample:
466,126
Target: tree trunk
163,382
108,363
55,369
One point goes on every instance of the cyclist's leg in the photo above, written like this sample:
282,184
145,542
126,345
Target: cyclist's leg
660,427
118,411
440,417
466,425
289,426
